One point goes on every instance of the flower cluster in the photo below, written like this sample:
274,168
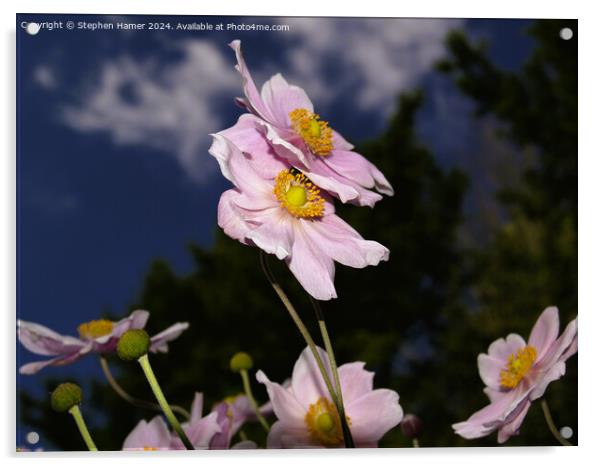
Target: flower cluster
286,165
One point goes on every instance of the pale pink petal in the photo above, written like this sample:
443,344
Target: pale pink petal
199,432
283,436
307,383
551,374
310,266
493,393
346,190
64,359
159,341
501,349
339,142
282,98
373,415
286,407
136,319
153,434
44,341
561,348
359,170
236,168
254,100
511,427
196,409
489,369
545,331
273,232
342,243
247,134
231,218
287,144
355,381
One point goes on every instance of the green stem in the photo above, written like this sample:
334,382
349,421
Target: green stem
171,418
131,399
247,386
299,323
552,426
335,373
415,443
83,429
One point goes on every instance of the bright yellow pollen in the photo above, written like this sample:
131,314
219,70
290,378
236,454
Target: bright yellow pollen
95,329
150,449
315,132
298,195
323,425
517,366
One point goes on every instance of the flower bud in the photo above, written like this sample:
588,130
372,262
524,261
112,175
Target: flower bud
133,344
241,362
65,396
411,426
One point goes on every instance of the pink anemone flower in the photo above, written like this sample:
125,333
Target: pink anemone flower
97,336
232,413
307,417
517,373
155,435
284,115
281,211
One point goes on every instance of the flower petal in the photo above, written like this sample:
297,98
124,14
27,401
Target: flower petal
283,436
153,434
64,359
307,382
338,240
545,331
196,409
254,100
551,374
236,167
358,169
282,98
355,381
373,415
249,136
500,349
511,428
286,407
44,341
490,369
273,232
313,269
199,432
160,340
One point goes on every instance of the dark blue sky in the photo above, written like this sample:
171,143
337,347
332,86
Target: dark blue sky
111,179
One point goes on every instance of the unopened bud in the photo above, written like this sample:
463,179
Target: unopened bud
65,396
133,344
241,362
411,426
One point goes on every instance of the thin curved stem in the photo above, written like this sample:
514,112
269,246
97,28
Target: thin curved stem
304,333
83,429
333,369
247,387
550,422
156,388
131,399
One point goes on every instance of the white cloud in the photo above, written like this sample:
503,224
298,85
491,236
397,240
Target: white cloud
45,77
376,58
166,106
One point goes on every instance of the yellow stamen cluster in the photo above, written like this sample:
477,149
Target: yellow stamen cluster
150,448
517,366
298,195
95,329
323,425
315,132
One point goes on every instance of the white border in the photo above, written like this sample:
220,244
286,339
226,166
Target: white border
590,230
